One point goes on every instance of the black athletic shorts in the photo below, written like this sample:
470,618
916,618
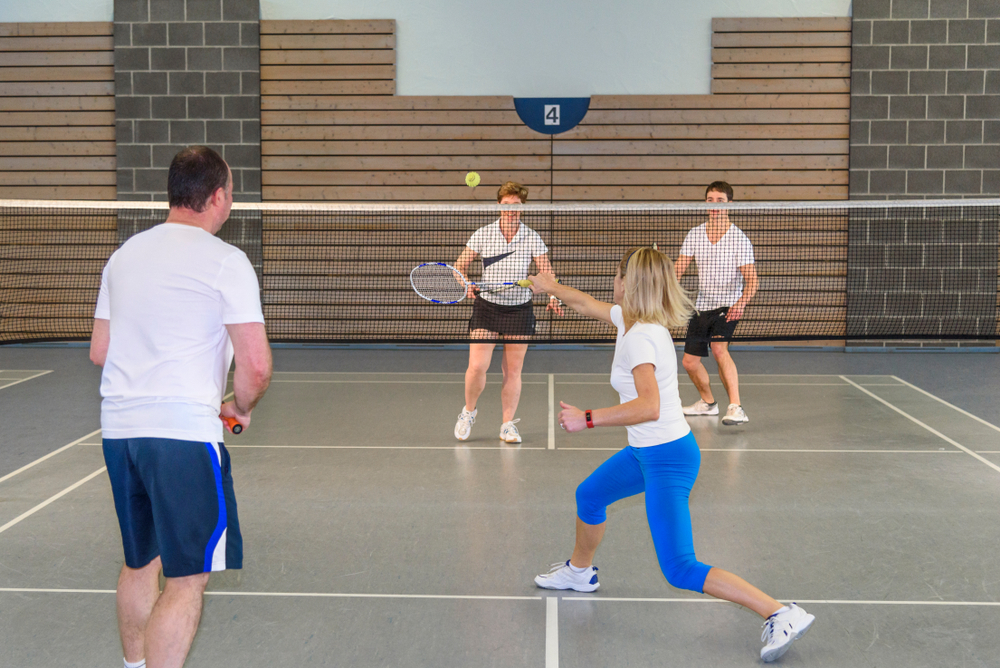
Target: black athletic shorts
705,326
510,320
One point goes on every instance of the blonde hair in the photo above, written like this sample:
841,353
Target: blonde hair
512,188
652,292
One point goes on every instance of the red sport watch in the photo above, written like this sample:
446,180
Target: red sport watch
590,419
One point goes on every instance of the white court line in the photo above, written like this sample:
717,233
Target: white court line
52,498
689,384
942,451
888,452
286,594
926,426
963,412
388,447
458,597
51,454
552,632
11,384
400,382
552,412
984,604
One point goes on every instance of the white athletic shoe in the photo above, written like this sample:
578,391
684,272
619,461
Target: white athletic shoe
781,629
563,577
508,432
463,428
735,415
702,407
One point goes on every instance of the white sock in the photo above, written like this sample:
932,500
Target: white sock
141,663
577,570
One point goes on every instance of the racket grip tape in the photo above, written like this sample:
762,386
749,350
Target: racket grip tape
525,283
234,426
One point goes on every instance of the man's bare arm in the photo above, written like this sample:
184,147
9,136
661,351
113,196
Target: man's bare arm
99,341
253,367
683,262
751,284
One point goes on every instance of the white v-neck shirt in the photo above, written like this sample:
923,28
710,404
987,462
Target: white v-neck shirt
169,293
504,261
648,343
720,281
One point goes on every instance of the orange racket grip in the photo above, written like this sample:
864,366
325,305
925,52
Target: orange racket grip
234,426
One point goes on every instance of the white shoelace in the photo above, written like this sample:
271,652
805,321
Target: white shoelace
556,566
510,425
769,629
468,417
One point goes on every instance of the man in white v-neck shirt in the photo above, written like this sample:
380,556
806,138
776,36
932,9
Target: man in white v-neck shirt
727,281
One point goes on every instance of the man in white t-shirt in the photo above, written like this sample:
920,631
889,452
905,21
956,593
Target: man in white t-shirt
727,281
176,304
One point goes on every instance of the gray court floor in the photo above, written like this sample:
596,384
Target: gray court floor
373,539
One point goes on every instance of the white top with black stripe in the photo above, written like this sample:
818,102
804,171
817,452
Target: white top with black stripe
504,262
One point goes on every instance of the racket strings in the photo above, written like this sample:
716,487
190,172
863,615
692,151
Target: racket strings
438,282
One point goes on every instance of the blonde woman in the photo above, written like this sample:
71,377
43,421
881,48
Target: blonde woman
662,458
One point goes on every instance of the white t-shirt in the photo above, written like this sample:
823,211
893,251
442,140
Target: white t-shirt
720,282
504,262
646,343
169,292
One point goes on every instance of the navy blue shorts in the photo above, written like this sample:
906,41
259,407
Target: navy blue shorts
175,500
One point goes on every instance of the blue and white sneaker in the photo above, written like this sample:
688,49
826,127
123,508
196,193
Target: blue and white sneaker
563,577
508,432
783,628
463,428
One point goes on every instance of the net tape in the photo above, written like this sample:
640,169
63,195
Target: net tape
340,273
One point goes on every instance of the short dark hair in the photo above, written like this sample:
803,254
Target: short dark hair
513,188
720,187
195,174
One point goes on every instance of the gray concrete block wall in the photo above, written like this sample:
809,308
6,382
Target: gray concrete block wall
925,99
186,72
922,273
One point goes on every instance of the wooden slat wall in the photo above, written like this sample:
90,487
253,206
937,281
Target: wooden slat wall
57,111
776,125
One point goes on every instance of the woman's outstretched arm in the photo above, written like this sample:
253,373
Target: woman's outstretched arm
579,301
644,408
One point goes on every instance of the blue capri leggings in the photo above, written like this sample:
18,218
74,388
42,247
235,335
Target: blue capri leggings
666,473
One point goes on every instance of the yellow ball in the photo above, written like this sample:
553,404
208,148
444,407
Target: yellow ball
472,179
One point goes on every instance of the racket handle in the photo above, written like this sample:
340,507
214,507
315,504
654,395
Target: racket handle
525,283
234,426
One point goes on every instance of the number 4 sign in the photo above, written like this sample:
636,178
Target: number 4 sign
549,115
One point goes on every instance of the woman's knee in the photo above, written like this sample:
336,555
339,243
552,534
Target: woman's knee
589,507
686,573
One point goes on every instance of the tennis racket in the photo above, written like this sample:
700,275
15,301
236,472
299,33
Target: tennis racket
234,426
443,284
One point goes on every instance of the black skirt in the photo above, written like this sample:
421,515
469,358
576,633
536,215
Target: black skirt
516,320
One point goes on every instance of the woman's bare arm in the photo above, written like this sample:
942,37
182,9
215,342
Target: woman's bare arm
644,408
579,301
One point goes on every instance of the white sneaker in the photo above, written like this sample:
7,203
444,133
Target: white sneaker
735,415
463,428
508,432
702,407
563,577
781,629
